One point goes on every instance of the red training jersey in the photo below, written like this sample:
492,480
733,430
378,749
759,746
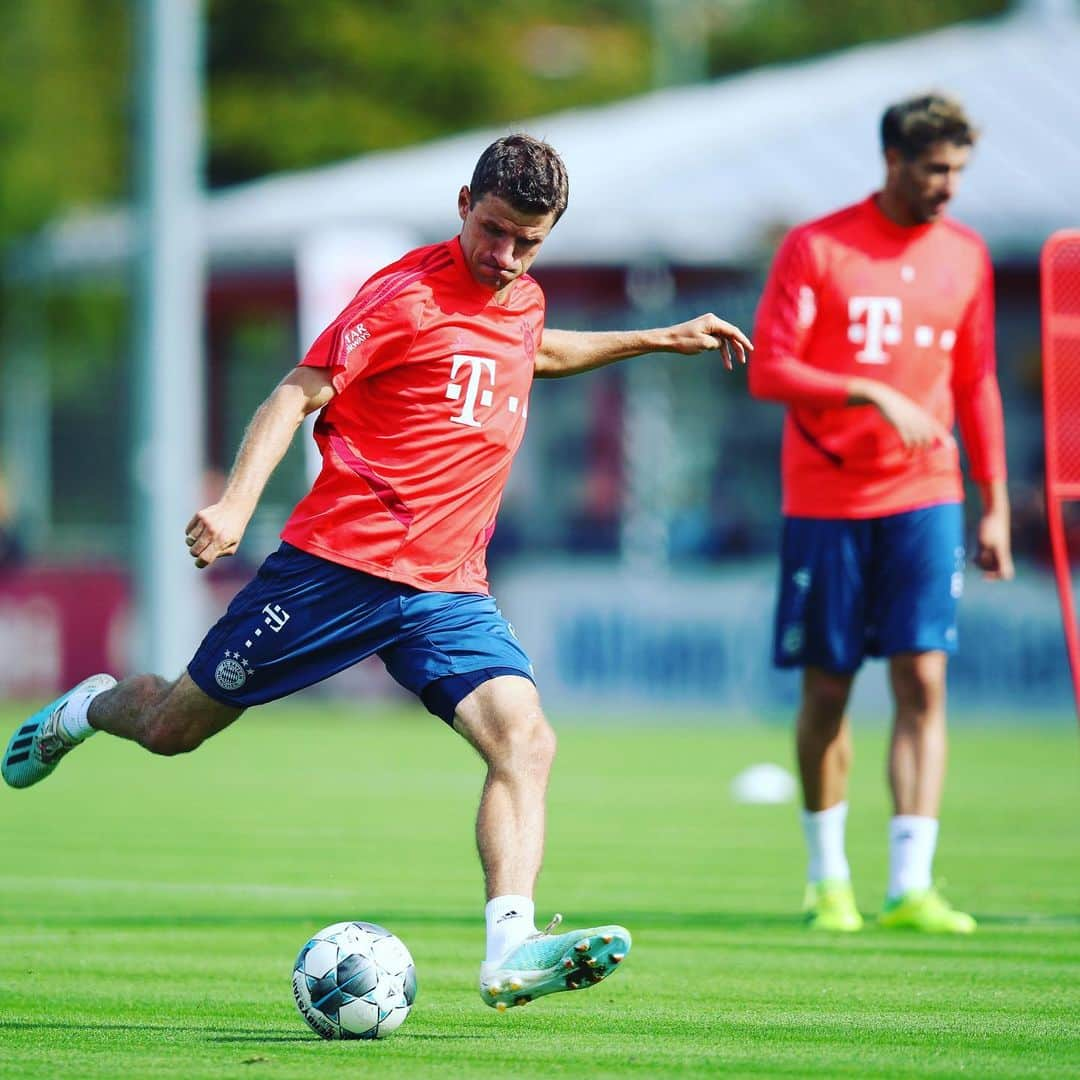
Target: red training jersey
852,294
432,377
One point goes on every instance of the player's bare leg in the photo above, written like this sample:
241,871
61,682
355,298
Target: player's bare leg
823,738
161,716
164,717
503,720
917,759
918,751
824,750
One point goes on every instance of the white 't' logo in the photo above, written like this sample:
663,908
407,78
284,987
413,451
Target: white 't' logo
276,617
882,326
478,366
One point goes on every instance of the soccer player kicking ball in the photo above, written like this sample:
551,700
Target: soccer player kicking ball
876,331
422,384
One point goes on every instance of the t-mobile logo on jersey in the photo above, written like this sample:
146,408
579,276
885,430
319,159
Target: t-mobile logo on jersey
875,322
479,367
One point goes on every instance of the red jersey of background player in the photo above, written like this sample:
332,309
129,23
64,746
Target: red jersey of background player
854,293
432,378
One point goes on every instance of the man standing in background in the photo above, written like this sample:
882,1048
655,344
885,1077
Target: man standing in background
876,331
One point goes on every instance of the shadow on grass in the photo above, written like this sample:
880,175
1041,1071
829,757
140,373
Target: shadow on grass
1035,921
243,1035
485,1036
636,919
256,1038
639,920
252,1036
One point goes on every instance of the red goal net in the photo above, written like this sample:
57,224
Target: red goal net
1061,404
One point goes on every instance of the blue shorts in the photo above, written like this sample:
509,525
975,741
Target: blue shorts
303,619
852,588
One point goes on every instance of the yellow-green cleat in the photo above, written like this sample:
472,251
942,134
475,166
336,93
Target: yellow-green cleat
830,905
925,910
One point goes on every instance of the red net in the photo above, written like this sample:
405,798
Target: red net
1061,361
1061,398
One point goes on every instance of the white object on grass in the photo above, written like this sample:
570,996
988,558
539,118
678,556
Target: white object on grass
764,783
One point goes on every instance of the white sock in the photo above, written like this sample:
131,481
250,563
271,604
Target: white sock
74,719
824,832
912,842
510,920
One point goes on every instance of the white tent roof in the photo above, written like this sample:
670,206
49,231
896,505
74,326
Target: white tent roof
703,174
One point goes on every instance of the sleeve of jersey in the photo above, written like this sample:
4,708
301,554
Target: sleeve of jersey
364,339
975,387
785,319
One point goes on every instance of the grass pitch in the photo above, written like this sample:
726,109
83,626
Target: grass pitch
150,910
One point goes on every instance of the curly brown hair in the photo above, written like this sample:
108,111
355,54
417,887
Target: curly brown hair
527,173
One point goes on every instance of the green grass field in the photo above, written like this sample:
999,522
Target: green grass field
150,910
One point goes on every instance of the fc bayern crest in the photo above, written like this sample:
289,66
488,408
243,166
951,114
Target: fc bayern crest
231,674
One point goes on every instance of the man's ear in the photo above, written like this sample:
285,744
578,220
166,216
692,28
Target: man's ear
464,202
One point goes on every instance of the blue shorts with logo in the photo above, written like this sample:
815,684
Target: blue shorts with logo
303,619
852,588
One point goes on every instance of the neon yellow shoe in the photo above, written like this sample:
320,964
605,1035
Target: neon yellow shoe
830,905
925,910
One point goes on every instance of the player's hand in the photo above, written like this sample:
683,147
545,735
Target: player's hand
707,333
993,550
215,532
918,429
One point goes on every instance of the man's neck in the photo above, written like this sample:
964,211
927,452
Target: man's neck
895,209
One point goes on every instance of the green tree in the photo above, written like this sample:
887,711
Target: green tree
63,107
300,85
292,85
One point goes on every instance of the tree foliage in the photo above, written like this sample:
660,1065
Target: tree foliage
346,78
292,85
778,31
63,107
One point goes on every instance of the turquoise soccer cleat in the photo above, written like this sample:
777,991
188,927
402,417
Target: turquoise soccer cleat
38,745
545,964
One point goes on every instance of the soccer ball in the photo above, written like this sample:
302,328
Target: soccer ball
354,980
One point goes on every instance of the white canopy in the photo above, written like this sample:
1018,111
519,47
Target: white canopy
705,174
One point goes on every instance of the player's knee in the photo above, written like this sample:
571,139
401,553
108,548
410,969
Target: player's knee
544,742
168,736
527,744
825,698
532,736
168,729
919,685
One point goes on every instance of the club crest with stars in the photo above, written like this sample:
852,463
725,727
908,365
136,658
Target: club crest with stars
233,671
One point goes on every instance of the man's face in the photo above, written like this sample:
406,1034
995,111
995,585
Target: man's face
498,241
922,187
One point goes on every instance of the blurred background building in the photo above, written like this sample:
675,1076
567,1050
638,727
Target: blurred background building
634,549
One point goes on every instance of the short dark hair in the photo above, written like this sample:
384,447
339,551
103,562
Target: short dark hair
524,171
913,125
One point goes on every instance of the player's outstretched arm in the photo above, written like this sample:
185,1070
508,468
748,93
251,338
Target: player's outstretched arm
570,352
216,530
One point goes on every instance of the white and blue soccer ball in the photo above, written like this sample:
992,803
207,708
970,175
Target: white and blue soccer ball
354,980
